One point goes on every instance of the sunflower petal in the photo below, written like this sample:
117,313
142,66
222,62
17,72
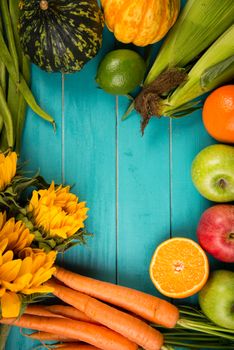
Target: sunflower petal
7,169
41,289
2,291
42,277
38,261
8,256
10,270
13,159
10,303
19,284
2,219
26,266
3,245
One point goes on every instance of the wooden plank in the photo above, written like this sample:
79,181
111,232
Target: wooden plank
41,148
143,197
89,164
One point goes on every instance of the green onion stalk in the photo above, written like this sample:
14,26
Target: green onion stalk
15,93
195,331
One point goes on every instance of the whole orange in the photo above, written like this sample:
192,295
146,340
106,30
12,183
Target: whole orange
218,114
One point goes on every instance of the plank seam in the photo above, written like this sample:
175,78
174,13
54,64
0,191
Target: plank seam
170,174
63,131
117,186
62,140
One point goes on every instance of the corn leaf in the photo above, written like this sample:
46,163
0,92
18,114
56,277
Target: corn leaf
220,72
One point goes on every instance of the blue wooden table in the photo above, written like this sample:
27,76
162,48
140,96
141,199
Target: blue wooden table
139,189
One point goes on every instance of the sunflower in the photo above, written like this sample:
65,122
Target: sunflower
22,272
15,232
57,211
8,166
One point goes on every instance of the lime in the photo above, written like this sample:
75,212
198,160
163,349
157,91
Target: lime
120,71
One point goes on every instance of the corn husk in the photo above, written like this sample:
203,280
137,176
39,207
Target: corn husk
214,68
200,23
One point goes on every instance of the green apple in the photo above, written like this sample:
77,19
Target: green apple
213,173
216,298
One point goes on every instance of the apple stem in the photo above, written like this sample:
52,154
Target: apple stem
231,235
222,183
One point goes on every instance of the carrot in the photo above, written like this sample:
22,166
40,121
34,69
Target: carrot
75,314
44,336
40,310
69,312
147,306
75,346
130,327
95,335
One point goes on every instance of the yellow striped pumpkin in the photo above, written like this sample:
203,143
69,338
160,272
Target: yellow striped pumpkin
141,22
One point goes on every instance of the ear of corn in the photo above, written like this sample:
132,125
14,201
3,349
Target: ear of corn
200,23
214,68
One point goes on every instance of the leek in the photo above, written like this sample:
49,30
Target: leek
200,23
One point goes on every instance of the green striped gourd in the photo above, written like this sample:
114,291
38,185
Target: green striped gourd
60,35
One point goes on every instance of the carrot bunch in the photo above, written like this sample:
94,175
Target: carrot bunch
98,315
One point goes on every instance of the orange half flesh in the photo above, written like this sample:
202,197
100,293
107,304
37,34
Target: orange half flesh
179,268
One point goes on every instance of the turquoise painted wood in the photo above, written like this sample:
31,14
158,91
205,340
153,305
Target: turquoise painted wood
138,189
90,164
143,206
41,146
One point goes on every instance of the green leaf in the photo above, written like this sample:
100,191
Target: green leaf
38,236
34,298
44,246
51,243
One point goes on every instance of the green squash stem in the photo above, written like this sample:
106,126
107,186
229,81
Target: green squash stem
44,5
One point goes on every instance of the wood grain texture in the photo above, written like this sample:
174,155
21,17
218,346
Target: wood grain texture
188,138
143,197
90,164
41,146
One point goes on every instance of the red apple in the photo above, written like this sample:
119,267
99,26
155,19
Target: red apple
216,232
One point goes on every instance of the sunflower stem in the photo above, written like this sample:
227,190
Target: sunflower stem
4,332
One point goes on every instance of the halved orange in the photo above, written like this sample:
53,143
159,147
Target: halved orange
179,267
